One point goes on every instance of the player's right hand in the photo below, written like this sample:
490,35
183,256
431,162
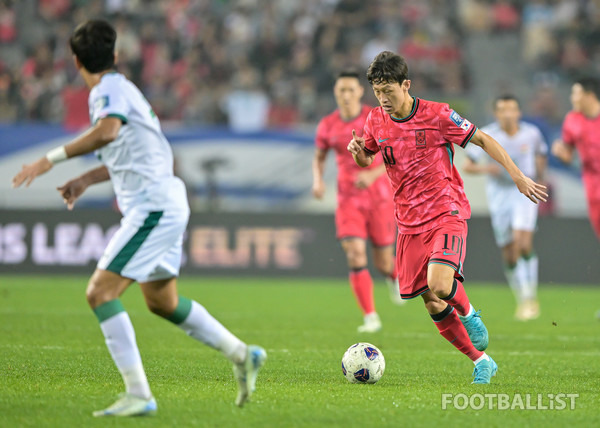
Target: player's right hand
29,172
357,144
318,189
71,191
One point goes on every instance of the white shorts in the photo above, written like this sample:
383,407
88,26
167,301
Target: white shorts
510,210
147,246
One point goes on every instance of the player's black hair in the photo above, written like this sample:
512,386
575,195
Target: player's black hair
590,84
93,42
348,73
387,67
506,97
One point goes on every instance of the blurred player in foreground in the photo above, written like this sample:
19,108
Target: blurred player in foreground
416,138
147,248
365,209
513,216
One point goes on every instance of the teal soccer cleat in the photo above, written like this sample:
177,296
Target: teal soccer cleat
476,330
129,405
247,372
484,371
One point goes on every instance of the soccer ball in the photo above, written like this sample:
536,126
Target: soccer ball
363,363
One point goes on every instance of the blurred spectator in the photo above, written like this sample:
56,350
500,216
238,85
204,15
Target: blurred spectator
196,59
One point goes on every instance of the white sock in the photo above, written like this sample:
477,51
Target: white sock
202,326
120,339
531,267
471,312
483,357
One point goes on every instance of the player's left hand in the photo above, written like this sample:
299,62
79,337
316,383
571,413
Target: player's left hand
534,191
29,172
364,179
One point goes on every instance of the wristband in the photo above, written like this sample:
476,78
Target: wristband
56,155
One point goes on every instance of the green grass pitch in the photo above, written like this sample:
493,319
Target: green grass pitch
55,369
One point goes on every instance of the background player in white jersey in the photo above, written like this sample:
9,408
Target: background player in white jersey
513,216
147,248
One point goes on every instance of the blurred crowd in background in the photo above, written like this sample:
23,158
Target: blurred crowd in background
256,64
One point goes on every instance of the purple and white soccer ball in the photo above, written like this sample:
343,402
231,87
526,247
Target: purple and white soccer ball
363,363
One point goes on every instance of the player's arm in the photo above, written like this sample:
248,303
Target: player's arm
99,135
471,167
73,189
534,191
357,148
564,152
318,169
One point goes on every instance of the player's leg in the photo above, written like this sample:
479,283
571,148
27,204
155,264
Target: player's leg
451,328
361,282
527,270
382,231
134,252
515,274
524,224
103,292
162,299
502,209
444,277
385,262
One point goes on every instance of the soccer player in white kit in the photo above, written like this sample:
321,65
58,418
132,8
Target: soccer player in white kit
127,138
513,216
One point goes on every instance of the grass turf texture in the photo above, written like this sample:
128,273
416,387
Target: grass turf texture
55,369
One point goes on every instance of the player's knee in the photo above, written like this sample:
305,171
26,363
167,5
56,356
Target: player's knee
98,293
356,259
440,287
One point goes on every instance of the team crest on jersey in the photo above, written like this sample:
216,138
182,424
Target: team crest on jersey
101,103
420,139
463,124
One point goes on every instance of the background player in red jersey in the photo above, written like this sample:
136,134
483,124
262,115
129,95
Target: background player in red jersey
365,208
581,131
417,138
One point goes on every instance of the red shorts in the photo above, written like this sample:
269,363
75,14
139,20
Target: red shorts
366,219
445,244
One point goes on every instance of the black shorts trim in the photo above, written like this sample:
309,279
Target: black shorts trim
444,262
414,293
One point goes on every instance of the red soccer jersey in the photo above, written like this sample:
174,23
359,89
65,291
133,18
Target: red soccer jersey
335,133
584,134
418,152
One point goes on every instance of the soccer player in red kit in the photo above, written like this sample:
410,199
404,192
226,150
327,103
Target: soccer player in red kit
416,138
365,209
581,131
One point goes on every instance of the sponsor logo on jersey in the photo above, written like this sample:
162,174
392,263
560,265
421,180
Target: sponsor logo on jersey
420,139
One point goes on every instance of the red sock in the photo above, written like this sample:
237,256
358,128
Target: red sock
458,298
362,286
454,332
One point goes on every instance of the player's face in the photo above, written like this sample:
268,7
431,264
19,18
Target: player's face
392,96
348,91
507,113
577,97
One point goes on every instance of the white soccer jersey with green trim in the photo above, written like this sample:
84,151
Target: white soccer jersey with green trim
521,147
139,160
